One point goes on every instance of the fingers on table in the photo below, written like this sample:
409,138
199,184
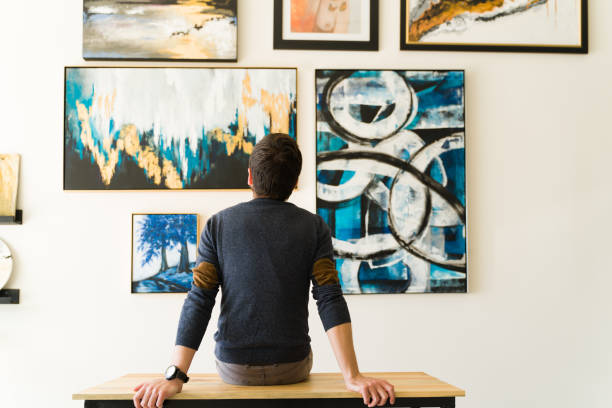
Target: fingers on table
138,397
390,390
161,396
374,397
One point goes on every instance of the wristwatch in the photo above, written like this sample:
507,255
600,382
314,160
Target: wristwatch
173,372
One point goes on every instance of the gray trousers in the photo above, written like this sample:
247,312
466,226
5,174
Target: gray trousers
273,374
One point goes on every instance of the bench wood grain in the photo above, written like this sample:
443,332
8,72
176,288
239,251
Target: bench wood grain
318,386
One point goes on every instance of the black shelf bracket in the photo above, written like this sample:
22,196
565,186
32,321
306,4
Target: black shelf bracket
16,219
9,296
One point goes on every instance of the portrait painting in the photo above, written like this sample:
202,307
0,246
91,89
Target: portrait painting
163,252
170,128
391,178
326,24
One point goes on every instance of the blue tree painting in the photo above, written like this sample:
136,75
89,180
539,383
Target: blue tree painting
164,252
391,178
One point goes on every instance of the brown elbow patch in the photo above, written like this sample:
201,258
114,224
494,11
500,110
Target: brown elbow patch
205,276
324,272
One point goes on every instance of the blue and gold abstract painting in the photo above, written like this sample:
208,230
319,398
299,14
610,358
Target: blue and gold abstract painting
391,178
163,252
170,128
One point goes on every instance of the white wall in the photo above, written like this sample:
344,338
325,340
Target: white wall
535,328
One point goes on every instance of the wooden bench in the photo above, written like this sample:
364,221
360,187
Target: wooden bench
324,390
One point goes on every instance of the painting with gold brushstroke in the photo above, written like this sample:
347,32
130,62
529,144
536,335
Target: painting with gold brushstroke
495,25
160,29
9,179
170,128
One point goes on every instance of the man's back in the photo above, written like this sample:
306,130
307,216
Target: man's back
262,253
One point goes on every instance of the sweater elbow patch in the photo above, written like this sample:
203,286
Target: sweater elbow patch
324,272
205,276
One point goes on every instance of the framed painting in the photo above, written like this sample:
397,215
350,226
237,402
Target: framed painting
326,24
163,252
178,30
495,25
391,178
170,128
9,182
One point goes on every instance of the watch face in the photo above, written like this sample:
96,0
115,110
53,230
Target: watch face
170,372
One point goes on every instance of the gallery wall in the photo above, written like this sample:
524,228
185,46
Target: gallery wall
534,329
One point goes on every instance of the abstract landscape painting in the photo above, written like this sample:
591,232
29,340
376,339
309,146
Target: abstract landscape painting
163,252
160,29
9,181
495,25
391,178
170,128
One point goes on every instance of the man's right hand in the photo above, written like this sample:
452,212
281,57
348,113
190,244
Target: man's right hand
153,394
373,390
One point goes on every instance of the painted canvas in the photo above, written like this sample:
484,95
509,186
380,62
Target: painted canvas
163,252
495,25
9,181
326,16
326,24
170,128
160,29
391,178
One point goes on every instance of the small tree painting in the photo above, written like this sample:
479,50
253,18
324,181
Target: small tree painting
163,252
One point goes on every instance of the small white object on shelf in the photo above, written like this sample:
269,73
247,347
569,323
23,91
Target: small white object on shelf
6,264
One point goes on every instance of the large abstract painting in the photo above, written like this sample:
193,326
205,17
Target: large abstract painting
170,128
495,25
9,181
391,178
160,29
163,252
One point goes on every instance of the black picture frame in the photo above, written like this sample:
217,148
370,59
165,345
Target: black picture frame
282,44
583,48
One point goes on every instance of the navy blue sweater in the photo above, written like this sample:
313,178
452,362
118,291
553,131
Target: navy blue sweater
263,254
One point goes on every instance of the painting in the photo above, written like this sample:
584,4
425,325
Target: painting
163,252
9,181
326,24
495,25
170,128
391,178
160,30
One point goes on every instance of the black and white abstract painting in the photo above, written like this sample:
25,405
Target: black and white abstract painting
391,178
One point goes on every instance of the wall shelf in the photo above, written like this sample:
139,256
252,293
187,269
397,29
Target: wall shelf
17,219
9,296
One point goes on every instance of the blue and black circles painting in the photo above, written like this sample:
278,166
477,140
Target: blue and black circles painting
163,252
391,178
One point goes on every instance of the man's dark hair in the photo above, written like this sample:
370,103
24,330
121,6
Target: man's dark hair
275,165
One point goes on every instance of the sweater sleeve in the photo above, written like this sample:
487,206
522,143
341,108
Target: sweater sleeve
326,289
200,300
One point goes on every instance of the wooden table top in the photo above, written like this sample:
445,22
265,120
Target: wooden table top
323,385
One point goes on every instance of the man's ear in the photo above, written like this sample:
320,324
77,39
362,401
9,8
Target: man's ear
250,179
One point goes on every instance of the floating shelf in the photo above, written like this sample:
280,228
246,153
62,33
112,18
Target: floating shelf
17,219
9,296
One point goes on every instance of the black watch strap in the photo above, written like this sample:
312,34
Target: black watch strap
181,376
